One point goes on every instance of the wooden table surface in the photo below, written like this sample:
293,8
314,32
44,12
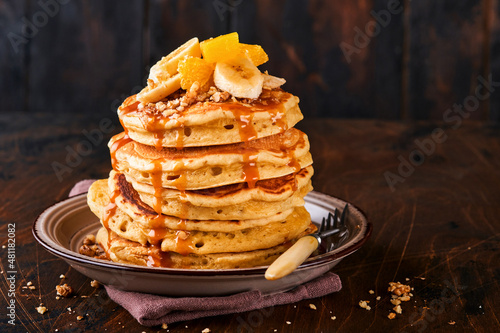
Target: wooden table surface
437,229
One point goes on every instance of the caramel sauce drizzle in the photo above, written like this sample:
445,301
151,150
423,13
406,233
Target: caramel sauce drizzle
180,135
156,181
108,212
128,106
158,258
183,245
116,146
244,118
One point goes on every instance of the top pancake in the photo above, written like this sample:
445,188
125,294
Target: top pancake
210,123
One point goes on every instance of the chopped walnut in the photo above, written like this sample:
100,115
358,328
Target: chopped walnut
391,315
312,306
395,301
364,305
164,326
79,317
206,330
64,290
88,250
398,309
398,288
94,284
451,322
89,240
92,251
41,309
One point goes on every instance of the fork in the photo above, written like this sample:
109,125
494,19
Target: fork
304,247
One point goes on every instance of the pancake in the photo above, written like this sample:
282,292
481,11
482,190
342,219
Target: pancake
128,210
230,202
203,242
209,123
124,251
206,167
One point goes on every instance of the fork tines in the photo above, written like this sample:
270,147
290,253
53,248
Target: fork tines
333,221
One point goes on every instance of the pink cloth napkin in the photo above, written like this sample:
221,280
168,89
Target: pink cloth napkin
152,310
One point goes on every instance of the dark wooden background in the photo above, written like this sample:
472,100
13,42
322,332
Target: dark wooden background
86,56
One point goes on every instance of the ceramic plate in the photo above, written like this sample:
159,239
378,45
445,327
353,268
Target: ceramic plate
62,227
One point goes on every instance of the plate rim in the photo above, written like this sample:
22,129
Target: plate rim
317,261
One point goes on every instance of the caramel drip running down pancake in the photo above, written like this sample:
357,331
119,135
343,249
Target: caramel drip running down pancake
117,145
180,135
109,211
247,133
244,117
156,182
158,258
130,105
182,245
157,233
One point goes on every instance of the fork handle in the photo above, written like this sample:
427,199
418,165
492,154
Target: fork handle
292,258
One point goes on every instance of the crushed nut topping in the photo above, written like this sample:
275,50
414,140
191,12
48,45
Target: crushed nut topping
92,251
64,290
89,240
94,284
41,309
397,288
364,305
180,100
312,306
395,301
400,293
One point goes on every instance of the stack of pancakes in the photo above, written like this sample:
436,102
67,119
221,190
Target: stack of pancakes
217,185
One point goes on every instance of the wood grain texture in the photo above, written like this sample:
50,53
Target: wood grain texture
439,228
85,56
13,56
303,41
494,43
448,45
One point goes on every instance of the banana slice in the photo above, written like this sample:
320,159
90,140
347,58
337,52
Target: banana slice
157,92
240,77
167,66
272,82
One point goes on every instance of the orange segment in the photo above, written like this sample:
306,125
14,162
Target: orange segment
255,53
220,49
194,69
